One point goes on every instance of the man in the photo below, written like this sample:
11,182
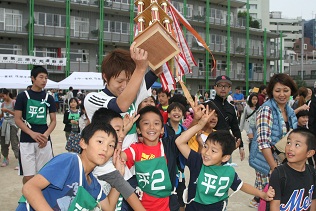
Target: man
227,119
31,109
262,94
239,98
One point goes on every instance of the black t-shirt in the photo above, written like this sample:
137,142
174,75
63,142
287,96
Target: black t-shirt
298,191
21,104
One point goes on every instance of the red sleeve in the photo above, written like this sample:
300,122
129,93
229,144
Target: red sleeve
130,161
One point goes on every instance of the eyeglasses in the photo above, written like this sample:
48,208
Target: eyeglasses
223,86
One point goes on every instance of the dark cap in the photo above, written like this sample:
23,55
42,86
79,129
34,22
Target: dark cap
223,79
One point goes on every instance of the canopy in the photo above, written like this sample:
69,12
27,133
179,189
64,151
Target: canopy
82,80
156,85
20,79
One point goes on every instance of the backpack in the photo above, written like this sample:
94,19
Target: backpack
283,178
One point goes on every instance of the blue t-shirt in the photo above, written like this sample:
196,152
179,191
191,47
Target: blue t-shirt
63,174
195,163
239,96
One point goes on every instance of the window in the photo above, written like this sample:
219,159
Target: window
313,72
221,65
77,55
253,15
80,26
305,46
201,10
201,64
253,6
299,73
48,19
10,49
11,19
189,10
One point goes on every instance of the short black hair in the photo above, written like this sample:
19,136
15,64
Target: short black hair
70,88
225,139
160,90
148,109
104,116
176,105
261,88
302,113
237,87
37,70
92,128
310,137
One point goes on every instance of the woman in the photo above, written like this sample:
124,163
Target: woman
9,129
274,119
248,117
300,104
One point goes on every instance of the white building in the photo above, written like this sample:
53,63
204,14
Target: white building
259,10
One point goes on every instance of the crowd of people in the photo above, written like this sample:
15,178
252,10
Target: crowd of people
128,144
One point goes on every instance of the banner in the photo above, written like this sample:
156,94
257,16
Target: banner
17,59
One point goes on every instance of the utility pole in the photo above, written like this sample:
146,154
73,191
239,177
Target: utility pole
302,51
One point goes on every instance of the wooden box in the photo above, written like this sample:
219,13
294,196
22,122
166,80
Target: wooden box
159,44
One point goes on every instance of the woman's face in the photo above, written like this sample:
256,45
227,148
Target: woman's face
254,100
281,93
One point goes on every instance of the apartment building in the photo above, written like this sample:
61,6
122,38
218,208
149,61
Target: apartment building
310,31
50,36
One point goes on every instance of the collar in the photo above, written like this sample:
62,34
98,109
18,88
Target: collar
106,91
222,100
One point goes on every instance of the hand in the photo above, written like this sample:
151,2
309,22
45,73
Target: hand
74,122
128,121
303,107
268,196
242,153
206,116
118,161
140,57
4,110
198,109
41,139
238,143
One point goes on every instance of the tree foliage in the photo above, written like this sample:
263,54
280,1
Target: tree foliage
252,23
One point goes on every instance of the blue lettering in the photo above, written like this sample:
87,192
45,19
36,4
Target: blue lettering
296,201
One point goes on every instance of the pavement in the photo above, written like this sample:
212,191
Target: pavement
11,183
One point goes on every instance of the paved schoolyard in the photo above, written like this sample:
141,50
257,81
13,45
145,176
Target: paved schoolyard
11,183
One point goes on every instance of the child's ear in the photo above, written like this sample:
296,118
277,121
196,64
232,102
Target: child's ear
162,130
169,115
82,144
225,158
104,77
310,153
138,131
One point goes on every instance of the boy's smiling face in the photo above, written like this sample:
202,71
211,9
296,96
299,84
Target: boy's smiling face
212,154
150,127
296,149
100,148
175,115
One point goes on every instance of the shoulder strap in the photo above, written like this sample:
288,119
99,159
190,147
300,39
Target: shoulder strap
27,94
282,177
222,113
254,111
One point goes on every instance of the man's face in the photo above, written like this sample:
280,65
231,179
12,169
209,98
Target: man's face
237,91
222,89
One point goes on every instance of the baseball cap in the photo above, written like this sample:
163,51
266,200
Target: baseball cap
223,79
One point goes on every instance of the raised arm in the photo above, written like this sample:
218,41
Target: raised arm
182,140
129,94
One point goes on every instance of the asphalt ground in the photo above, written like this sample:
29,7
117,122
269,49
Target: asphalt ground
11,183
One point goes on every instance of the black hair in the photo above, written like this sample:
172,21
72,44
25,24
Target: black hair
6,92
37,70
92,128
179,98
249,102
283,79
176,105
160,90
75,99
225,139
104,116
261,88
302,113
211,106
70,88
148,109
237,87
310,137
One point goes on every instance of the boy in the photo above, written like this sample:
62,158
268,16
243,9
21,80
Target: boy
196,142
106,116
31,109
163,99
302,118
155,179
176,112
74,187
295,190
209,179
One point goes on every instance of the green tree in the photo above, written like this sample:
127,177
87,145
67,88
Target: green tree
299,82
252,23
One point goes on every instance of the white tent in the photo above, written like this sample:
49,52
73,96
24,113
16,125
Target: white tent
82,80
19,79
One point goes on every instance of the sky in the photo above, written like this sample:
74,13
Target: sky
294,8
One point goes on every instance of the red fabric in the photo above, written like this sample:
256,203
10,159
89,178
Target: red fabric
144,152
263,203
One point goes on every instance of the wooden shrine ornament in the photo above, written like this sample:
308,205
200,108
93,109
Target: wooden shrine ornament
154,32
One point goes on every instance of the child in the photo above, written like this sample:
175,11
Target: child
302,118
31,110
106,116
72,130
173,127
147,101
295,190
83,120
196,142
155,179
9,129
209,178
74,187
163,99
